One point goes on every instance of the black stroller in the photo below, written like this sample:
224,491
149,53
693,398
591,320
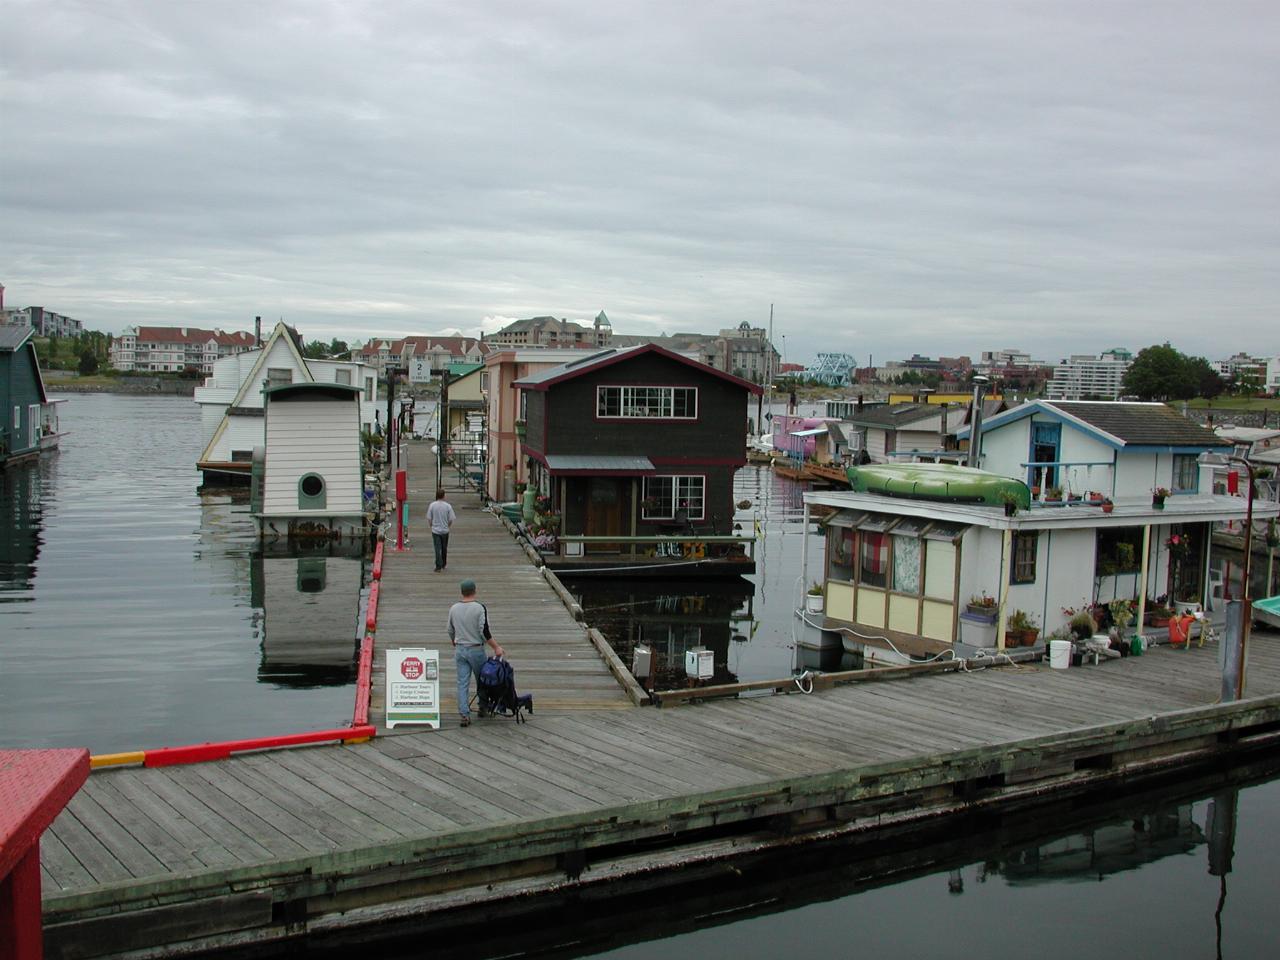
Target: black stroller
496,687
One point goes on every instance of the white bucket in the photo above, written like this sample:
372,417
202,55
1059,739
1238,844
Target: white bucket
1059,654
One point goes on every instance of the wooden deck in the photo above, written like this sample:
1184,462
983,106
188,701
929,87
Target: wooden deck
554,659
276,844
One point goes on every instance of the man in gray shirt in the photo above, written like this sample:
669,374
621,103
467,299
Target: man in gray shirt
469,632
441,516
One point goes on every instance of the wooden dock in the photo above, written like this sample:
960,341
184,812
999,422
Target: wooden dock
311,841
553,655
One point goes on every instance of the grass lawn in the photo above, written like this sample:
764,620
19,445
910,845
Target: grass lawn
1233,403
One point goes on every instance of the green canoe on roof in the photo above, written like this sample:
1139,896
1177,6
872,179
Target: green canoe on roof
942,482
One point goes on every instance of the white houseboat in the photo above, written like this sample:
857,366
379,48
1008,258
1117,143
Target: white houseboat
1106,501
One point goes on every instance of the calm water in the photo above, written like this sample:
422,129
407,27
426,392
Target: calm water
137,613
1185,871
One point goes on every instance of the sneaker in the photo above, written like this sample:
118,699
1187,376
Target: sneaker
465,721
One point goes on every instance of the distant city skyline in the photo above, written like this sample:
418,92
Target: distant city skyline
893,177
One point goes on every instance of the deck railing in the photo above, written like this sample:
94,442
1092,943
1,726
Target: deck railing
682,546
1076,478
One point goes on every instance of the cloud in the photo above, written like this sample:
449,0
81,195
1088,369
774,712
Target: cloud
893,177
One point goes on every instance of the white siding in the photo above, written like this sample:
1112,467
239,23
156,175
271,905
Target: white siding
313,436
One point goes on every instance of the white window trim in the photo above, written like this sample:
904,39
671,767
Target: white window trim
622,406
675,479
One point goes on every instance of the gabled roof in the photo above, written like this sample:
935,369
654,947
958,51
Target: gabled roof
1117,423
601,359
15,339
11,338
254,379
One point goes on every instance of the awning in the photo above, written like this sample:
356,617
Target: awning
809,433
565,464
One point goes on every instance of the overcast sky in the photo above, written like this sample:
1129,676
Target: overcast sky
894,177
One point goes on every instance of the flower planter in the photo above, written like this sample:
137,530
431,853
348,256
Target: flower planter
1157,503
981,610
1108,507
813,602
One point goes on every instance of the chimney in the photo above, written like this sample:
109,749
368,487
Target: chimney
257,331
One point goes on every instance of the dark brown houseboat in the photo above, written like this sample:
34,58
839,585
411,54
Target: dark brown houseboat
632,455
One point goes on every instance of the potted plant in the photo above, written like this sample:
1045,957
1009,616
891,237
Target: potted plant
813,598
1158,615
980,605
1121,614
521,428
1082,625
1158,497
1054,493
1107,505
1010,501
1020,630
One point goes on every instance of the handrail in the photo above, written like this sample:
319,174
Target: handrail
658,538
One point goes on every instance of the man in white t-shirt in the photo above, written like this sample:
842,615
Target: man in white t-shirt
441,516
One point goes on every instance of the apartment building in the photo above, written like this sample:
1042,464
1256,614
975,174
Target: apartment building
1089,377
174,349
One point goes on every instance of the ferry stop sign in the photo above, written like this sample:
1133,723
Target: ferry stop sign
411,668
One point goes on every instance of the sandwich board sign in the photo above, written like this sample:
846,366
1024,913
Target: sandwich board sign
413,686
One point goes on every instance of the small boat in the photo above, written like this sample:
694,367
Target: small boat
943,482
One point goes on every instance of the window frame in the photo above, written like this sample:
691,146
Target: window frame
675,479
629,399
1181,460
1022,569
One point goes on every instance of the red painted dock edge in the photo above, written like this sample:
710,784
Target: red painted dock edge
364,681
199,752
34,787
377,561
371,617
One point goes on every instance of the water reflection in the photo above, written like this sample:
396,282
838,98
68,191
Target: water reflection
310,608
1117,879
670,618
129,616
20,530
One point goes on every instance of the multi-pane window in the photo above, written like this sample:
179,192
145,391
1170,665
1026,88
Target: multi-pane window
1186,473
666,498
1025,546
649,403
873,568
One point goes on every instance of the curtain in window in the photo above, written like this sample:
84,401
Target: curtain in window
906,564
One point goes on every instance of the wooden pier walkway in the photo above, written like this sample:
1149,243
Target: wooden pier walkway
277,844
551,652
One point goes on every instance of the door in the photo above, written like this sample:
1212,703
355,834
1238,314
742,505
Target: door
606,512
1046,439
33,424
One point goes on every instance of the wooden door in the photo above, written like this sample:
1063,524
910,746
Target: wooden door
606,512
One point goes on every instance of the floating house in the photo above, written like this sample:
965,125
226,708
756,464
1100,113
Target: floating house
28,418
308,479
626,446
232,400
1076,503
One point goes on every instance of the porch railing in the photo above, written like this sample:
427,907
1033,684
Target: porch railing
684,546
1076,478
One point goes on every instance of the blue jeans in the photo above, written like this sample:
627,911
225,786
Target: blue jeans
441,542
467,660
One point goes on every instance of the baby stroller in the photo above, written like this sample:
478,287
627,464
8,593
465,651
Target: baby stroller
496,685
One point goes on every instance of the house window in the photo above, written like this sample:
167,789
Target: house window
1186,473
278,375
647,403
840,541
874,559
342,376
368,388
1025,547
1119,551
669,498
17,418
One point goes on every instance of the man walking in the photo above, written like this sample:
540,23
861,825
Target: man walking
469,632
441,516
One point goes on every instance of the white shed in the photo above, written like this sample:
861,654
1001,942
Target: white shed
312,481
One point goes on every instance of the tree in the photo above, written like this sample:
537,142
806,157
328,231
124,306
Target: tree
1208,383
338,347
1162,373
88,363
315,350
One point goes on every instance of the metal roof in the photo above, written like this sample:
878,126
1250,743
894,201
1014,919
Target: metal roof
12,337
590,463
